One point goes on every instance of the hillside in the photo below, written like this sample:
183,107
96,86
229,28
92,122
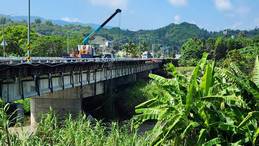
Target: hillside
171,36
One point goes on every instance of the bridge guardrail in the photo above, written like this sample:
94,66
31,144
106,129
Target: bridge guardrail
50,60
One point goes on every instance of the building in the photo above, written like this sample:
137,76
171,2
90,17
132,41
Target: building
100,41
101,44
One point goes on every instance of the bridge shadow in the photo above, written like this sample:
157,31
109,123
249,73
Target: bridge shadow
119,104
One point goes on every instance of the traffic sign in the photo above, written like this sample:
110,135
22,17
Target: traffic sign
4,43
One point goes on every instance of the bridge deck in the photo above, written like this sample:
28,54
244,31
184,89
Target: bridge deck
47,75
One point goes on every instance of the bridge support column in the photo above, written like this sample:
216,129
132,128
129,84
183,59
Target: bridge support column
109,104
61,107
109,93
62,102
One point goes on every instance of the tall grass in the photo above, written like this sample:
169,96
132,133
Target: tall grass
73,132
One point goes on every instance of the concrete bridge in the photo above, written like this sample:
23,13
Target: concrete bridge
63,83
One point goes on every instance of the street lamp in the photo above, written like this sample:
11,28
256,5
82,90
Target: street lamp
29,29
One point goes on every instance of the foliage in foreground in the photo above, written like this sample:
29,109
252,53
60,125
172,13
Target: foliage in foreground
25,104
214,106
78,132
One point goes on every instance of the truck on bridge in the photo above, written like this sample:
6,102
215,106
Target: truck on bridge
86,50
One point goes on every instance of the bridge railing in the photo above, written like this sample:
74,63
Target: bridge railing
21,60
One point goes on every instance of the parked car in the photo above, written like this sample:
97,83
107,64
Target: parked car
108,55
146,55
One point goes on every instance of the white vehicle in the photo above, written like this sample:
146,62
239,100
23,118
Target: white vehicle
108,55
146,55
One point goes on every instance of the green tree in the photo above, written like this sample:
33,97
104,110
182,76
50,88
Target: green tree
143,46
16,38
191,52
48,46
221,48
235,43
49,23
2,20
132,49
209,47
243,58
38,21
73,42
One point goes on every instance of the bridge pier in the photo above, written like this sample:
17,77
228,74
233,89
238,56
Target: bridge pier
61,102
110,87
61,108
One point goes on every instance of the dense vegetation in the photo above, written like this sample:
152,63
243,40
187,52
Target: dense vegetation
225,50
214,106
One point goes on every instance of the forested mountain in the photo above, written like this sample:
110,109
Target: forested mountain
169,38
173,35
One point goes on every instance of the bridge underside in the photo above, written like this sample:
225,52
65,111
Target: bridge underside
70,101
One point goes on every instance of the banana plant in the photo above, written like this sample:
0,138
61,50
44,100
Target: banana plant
209,108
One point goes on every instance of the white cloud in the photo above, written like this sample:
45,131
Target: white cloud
231,10
67,19
223,5
177,19
178,2
110,3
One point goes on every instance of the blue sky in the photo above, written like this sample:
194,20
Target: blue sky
144,14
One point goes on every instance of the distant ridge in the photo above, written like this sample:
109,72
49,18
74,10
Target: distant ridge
54,21
172,35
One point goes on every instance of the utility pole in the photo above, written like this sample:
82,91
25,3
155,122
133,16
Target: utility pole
3,42
29,30
67,43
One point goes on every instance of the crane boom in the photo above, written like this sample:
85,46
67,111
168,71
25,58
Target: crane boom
87,38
